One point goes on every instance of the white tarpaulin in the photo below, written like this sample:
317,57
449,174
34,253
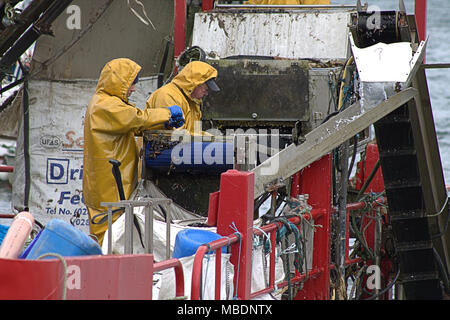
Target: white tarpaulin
49,156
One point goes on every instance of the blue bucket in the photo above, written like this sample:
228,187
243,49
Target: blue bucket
188,241
61,238
3,232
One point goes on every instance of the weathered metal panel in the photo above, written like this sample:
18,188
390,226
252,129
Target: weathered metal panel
294,35
281,87
322,93
117,33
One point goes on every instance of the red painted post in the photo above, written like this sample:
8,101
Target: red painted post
421,18
235,216
316,181
207,5
179,32
212,208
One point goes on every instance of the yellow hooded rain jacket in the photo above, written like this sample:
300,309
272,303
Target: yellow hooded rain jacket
178,92
110,125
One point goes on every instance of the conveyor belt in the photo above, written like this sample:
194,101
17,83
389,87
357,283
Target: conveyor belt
415,190
407,210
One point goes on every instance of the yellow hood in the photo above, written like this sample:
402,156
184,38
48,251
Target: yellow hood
117,77
110,125
194,74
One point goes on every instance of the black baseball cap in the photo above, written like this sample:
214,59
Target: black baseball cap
212,85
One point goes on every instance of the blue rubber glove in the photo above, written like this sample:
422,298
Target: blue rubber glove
176,117
174,123
175,111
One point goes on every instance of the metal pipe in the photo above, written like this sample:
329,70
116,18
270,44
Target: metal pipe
6,168
360,205
109,230
168,221
32,34
128,245
28,16
148,233
420,11
11,85
436,66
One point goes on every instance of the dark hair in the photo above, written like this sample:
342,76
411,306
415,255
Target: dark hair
136,79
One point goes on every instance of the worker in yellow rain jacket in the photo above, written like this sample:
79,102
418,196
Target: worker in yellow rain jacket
110,125
304,2
187,89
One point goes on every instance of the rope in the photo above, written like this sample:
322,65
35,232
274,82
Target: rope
357,281
257,243
237,233
65,269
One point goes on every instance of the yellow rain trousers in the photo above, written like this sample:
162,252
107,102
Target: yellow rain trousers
178,92
110,126
305,2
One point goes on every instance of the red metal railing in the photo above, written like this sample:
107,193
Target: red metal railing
236,208
6,168
270,229
179,275
217,246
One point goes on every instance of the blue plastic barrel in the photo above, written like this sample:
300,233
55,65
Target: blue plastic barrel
187,242
194,157
61,238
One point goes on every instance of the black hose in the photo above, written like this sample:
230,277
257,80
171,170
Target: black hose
442,271
369,179
386,288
